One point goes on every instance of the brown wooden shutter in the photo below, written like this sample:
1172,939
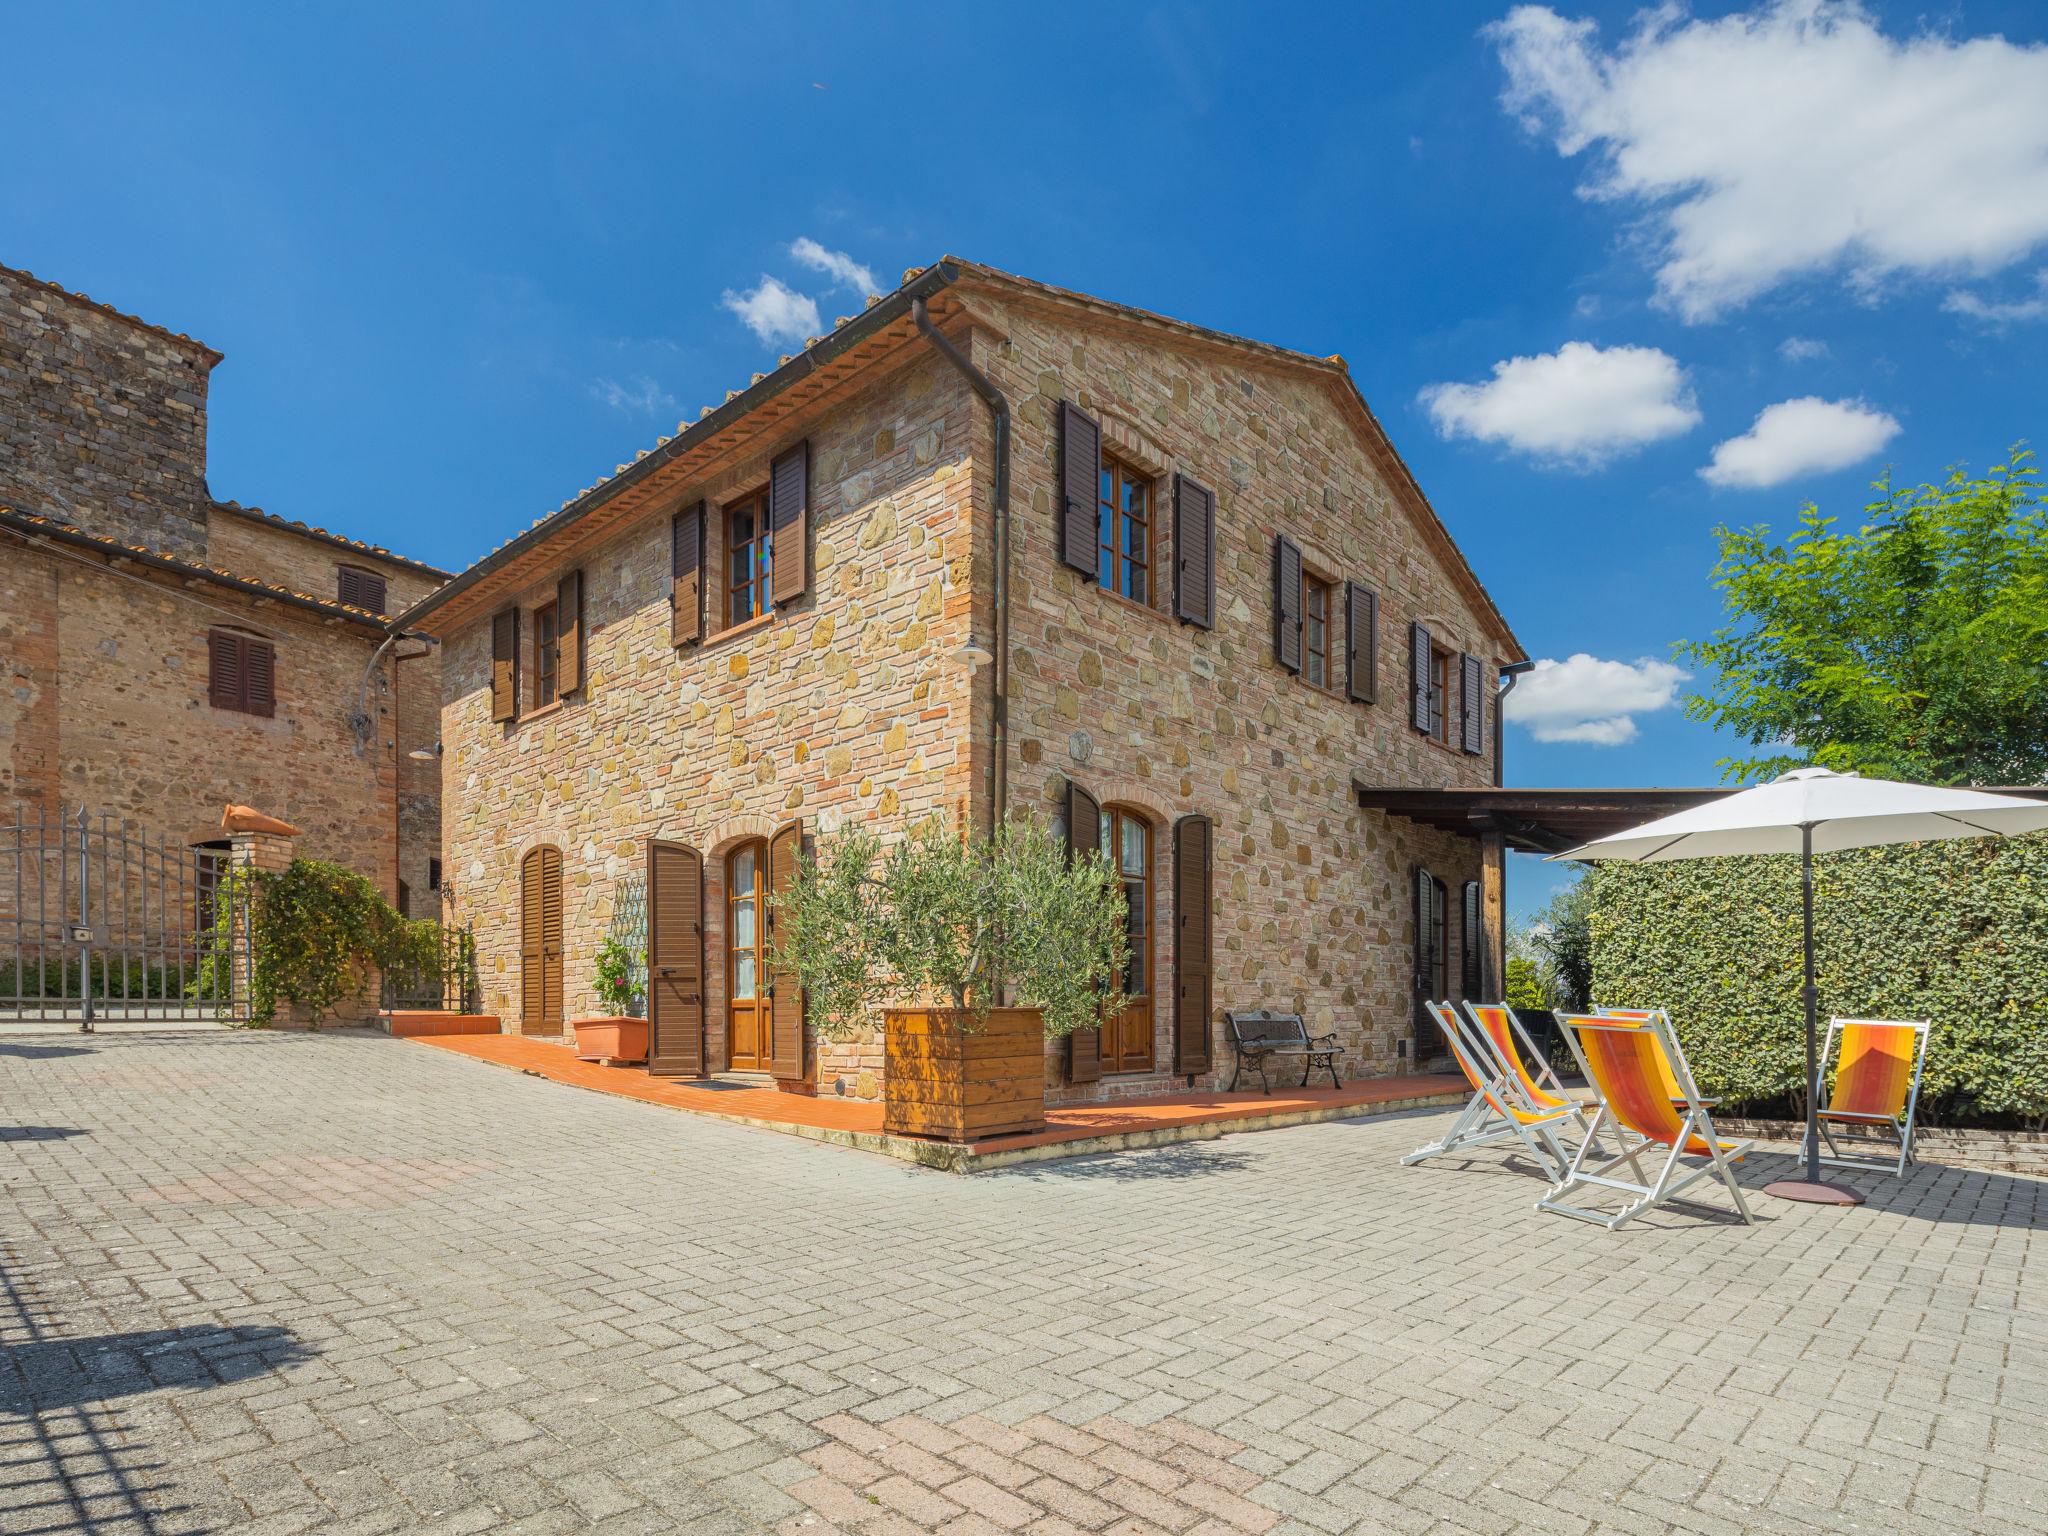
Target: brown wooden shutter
1425,930
540,942
785,994
569,632
1468,941
259,677
789,518
1361,644
1418,678
1472,704
675,960
223,669
361,589
686,566
505,665
1287,603
1080,486
1193,946
1084,840
1194,539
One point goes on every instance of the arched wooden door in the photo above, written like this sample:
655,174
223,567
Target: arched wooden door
540,942
749,1028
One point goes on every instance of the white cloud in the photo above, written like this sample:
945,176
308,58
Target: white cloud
1793,139
637,396
2001,312
844,271
1802,349
1592,702
1800,437
775,312
1580,405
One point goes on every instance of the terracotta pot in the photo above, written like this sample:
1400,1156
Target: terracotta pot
945,1082
613,1038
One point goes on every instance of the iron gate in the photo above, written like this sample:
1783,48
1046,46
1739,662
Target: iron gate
449,983
99,921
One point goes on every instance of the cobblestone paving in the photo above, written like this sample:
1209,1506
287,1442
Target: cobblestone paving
339,1283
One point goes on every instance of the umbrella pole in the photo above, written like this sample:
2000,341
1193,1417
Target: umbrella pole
1812,1190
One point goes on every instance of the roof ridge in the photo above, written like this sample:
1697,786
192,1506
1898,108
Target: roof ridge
295,525
76,297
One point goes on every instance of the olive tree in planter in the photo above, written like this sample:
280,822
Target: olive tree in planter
975,951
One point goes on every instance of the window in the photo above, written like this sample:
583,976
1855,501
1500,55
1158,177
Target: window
1317,601
749,1028
433,874
1126,1040
241,672
404,899
361,589
749,559
547,656
1124,531
1440,694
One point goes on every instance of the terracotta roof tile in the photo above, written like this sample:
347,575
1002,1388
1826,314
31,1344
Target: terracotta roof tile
378,551
112,313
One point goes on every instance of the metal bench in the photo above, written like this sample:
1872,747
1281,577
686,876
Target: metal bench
1259,1036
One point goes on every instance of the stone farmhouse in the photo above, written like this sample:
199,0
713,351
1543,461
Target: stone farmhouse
166,653
989,548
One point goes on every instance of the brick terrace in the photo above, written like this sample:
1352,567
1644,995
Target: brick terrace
272,1282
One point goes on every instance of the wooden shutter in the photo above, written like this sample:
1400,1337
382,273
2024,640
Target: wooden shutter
361,589
223,669
785,995
540,942
675,960
259,677
1472,704
569,633
1425,930
1084,840
789,517
1080,486
1418,678
1468,941
1194,540
686,566
505,665
1361,644
1193,945
1287,603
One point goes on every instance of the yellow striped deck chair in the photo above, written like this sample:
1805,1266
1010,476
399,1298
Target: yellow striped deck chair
1515,1051
1663,1066
1876,1085
1498,1110
1643,1085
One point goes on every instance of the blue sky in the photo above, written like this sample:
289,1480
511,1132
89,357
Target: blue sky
464,259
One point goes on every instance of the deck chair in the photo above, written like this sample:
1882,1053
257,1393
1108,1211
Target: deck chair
1497,1111
1640,1015
1633,1087
1516,1052
1877,1086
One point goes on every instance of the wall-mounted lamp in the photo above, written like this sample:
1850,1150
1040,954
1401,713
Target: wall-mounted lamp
425,754
975,655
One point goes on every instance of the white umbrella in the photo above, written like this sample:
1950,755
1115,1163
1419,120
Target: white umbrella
1809,811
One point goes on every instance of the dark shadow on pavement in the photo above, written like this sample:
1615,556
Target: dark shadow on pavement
1177,1160
41,1132
41,1052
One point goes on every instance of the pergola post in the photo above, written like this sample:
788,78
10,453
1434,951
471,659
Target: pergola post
1493,905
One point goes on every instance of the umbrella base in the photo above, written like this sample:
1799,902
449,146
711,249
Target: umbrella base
1813,1192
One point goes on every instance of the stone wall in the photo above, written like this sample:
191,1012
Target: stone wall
1313,897
850,704
130,730
102,419
249,544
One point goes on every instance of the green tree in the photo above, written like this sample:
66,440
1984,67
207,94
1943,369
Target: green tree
1562,941
1915,647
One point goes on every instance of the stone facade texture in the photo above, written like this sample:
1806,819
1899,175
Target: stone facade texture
854,703
102,418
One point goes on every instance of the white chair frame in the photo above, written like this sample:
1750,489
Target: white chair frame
1901,1127
1479,1124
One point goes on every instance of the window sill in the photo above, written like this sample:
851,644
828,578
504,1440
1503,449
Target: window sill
1132,603
735,631
546,711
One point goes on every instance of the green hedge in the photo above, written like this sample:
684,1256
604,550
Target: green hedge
1953,932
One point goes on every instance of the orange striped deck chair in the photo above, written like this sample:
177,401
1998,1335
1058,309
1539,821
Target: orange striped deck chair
1670,1082
1498,1110
1515,1052
1876,1086
1634,1090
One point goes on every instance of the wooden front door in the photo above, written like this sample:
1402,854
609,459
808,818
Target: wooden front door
675,960
1127,1035
749,1028
540,942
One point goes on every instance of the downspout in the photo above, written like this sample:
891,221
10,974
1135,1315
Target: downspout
999,417
1510,674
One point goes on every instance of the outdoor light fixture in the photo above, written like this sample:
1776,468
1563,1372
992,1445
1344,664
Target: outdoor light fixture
425,754
976,655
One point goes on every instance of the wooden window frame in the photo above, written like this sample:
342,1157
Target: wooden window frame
1114,568
245,700
1114,817
1314,659
547,657
342,573
1439,695
757,893
760,546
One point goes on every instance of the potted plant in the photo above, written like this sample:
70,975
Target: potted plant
621,1035
974,950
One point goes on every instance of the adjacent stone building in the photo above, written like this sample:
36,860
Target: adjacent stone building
990,548
167,654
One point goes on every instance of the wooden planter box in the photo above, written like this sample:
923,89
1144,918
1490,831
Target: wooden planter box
613,1038
944,1082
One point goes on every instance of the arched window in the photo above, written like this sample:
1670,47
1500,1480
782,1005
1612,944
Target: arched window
748,1021
1127,844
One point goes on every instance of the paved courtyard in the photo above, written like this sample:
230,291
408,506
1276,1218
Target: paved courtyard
266,1282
